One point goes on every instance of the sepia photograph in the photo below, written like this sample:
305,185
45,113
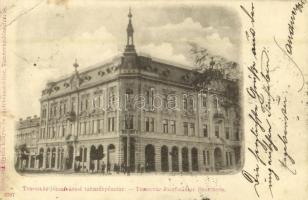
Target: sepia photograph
138,90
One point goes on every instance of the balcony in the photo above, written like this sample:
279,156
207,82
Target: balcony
71,138
218,115
70,116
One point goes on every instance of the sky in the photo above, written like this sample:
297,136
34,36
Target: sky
51,37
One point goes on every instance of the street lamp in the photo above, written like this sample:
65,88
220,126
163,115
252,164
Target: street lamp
128,129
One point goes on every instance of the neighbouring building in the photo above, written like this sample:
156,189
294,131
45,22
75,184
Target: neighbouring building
133,111
27,132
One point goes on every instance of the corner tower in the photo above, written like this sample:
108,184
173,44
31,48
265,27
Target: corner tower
130,48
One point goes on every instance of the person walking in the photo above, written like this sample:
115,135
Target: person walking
103,167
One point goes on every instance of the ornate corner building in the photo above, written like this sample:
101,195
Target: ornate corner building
134,111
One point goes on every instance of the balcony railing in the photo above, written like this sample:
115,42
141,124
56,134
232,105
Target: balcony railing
70,116
218,115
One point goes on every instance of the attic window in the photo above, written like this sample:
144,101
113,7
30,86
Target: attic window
87,77
66,85
56,88
166,72
101,73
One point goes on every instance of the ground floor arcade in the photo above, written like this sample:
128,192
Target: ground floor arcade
146,154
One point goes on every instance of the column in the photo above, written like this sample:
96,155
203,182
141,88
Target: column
95,166
29,161
201,166
180,160
128,151
170,158
233,159
120,151
224,162
157,158
19,161
50,157
44,159
74,155
212,159
88,158
56,158
82,159
60,159
189,160
140,153
36,163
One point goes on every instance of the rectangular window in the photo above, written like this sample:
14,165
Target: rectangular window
81,128
191,103
44,112
237,134
89,130
94,103
152,125
173,127
63,130
87,104
172,101
129,121
50,112
103,104
53,132
185,125
93,127
71,129
204,101
204,158
185,102
81,105
60,109
208,157
149,98
101,126
111,124
99,101
227,133
111,97
205,131
64,108
192,129
98,128
165,101
147,124
230,157
85,128
217,131
73,105
165,126
152,98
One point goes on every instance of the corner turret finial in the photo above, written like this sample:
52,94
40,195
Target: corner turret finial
76,65
130,13
130,29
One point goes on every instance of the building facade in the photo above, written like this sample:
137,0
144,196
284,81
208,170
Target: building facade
26,142
138,112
